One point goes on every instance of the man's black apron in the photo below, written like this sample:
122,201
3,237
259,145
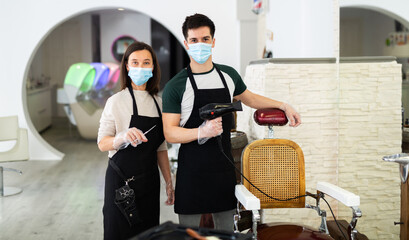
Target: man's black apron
141,162
205,179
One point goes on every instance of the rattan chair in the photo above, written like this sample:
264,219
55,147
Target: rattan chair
276,167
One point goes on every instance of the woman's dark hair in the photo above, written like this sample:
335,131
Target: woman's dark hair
196,21
153,84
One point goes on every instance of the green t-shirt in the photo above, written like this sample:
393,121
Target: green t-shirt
178,95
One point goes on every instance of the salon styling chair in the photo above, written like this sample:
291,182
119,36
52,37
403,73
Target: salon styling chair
276,167
79,79
101,76
94,94
78,103
113,77
10,132
107,85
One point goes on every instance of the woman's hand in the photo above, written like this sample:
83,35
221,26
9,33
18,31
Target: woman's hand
135,136
170,193
131,136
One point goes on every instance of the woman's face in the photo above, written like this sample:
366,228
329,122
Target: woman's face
140,59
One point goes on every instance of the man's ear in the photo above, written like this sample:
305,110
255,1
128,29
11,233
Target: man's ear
186,46
214,41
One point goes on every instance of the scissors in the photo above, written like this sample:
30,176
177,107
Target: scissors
149,130
136,140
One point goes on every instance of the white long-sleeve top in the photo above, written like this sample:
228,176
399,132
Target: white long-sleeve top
118,111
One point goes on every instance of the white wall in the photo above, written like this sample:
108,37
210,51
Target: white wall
113,25
25,24
302,28
247,34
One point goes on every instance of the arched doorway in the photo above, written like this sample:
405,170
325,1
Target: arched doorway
88,37
366,31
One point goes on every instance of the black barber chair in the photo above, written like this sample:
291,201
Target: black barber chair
169,230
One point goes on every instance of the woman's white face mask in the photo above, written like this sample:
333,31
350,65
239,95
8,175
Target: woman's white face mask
140,76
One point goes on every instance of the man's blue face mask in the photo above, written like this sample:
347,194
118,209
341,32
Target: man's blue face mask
200,52
140,76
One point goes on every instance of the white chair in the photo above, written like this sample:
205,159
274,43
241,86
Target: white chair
10,131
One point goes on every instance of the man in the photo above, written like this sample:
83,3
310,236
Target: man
205,179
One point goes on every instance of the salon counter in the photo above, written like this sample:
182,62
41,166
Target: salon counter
39,107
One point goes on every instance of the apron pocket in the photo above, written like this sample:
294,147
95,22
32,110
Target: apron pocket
125,201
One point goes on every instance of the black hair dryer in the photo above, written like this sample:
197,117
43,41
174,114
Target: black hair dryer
214,110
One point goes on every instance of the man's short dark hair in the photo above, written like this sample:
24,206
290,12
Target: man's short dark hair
196,21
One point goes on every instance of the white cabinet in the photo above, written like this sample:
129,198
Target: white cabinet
39,107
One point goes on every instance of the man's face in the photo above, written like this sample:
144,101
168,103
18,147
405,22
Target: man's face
199,35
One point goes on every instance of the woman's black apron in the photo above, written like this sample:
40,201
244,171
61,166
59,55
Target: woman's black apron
205,179
140,162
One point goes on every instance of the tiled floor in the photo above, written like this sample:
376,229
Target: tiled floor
60,199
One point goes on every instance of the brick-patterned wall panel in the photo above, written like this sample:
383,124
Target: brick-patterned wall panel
370,128
350,120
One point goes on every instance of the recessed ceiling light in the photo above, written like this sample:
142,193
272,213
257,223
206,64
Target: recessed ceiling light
121,9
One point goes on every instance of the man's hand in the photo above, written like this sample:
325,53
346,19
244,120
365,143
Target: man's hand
291,114
259,102
209,129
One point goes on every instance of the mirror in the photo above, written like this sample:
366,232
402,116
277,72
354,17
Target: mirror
119,46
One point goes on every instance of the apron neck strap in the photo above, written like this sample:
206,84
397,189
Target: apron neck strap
135,109
221,76
157,106
192,79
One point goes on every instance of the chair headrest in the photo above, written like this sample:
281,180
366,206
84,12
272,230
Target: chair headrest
270,117
81,76
101,75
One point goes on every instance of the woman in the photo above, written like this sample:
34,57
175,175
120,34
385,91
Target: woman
123,131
